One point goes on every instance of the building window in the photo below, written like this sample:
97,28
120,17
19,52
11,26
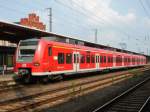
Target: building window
9,60
1,59
60,58
68,58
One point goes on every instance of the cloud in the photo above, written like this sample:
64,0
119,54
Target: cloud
100,11
113,26
146,22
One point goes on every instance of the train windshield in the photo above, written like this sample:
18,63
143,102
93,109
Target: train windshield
27,50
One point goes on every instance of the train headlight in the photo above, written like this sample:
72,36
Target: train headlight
36,64
23,71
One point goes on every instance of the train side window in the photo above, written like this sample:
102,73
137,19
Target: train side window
128,59
101,59
92,59
82,60
68,58
112,59
61,58
109,60
88,59
50,51
104,59
117,59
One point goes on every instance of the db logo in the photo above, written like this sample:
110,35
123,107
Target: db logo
24,65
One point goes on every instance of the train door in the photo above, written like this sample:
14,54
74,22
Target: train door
76,66
114,61
49,59
97,61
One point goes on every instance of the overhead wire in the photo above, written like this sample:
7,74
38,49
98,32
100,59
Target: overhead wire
61,18
144,8
98,19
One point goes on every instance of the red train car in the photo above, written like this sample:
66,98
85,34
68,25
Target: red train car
48,59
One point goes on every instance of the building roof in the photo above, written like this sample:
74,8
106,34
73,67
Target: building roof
14,33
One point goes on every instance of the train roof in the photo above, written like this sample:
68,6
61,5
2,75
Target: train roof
86,48
14,33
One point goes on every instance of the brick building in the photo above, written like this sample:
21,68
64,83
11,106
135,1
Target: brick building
7,48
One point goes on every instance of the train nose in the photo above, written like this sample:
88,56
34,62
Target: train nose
24,71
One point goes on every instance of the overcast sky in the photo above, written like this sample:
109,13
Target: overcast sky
117,21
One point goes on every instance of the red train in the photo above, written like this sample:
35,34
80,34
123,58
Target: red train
48,59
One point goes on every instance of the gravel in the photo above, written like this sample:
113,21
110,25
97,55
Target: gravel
89,102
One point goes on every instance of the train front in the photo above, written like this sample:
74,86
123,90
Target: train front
27,59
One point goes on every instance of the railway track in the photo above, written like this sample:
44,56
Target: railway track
11,85
132,100
6,85
146,106
59,95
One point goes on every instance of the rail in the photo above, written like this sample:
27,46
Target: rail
109,104
64,93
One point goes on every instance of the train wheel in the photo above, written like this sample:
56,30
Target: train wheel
28,79
60,77
56,77
45,80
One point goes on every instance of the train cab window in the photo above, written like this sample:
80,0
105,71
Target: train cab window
61,58
92,59
68,58
82,59
88,59
50,51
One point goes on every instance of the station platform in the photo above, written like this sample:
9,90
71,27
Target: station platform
6,77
